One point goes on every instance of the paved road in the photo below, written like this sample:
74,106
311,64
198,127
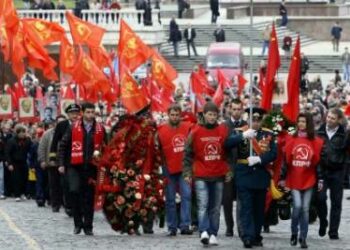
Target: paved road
25,226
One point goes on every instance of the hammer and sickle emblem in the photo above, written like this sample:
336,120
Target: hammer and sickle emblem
42,31
76,145
83,31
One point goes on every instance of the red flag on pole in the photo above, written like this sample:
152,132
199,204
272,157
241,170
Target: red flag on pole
273,63
291,108
222,79
241,83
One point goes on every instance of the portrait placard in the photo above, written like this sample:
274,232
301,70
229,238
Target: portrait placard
280,92
5,106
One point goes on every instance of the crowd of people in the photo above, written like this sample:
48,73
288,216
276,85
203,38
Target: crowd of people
206,155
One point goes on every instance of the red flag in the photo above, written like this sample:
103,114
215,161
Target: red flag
100,56
39,93
19,91
241,83
130,95
38,57
291,108
219,94
222,79
84,32
68,56
200,85
9,13
88,74
162,72
45,31
18,53
273,64
132,50
261,79
68,94
4,40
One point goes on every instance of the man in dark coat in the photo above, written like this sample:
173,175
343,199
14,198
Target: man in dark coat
175,36
214,7
5,177
80,145
336,34
73,111
190,35
17,150
219,34
283,14
333,159
229,194
252,177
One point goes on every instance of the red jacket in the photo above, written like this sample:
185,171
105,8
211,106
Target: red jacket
302,157
173,140
209,155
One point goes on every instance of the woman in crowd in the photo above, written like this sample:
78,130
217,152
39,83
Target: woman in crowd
300,174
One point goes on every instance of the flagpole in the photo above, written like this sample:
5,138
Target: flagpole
251,75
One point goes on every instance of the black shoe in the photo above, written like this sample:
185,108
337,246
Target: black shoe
171,233
303,244
88,232
257,244
293,240
40,203
69,212
247,244
229,233
334,236
323,228
186,231
77,230
266,229
148,231
55,209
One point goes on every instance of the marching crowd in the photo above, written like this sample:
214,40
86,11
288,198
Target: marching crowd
218,156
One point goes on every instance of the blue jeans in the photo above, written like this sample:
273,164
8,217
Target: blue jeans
2,183
300,214
176,180
209,197
346,72
265,47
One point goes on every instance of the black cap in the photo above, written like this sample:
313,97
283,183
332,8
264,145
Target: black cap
258,113
72,108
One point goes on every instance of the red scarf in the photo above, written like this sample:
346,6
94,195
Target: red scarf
78,141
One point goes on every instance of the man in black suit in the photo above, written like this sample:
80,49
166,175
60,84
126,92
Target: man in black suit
229,194
80,145
73,112
190,35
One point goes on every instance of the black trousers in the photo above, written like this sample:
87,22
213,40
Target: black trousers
19,179
191,43
82,193
252,206
55,187
333,180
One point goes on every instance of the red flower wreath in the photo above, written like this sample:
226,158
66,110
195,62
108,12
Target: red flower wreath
134,185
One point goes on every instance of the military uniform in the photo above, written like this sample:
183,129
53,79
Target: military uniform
252,181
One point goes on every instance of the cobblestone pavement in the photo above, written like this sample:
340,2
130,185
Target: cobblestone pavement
25,226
